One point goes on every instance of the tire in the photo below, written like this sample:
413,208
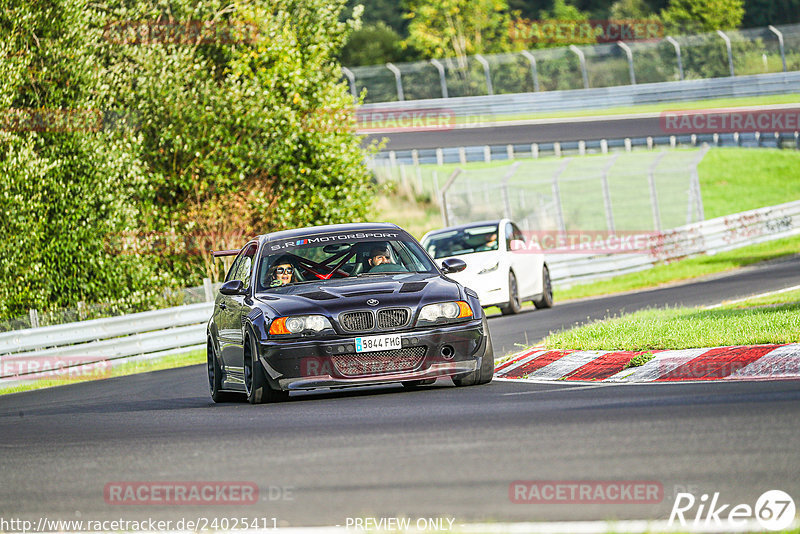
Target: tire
256,386
485,373
546,300
215,376
513,305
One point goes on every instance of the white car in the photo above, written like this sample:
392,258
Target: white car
500,268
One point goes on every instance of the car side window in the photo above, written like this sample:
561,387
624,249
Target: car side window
245,267
509,235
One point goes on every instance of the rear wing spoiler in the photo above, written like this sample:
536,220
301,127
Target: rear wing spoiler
220,253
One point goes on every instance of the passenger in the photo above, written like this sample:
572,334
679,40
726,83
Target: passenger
282,272
490,244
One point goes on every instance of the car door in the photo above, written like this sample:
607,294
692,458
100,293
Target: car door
233,308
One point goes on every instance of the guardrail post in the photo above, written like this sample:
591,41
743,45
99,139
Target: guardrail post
487,154
208,290
439,156
730,51
607,194
504,186
578,52
462,155
534,72
775,30
34,315
398,80
628,53
83,311
510,151
557,196
351,81
677,46
443,196
535,150
651,178
487,72
442,79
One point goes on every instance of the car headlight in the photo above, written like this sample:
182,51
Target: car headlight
490,268
297,324
444,312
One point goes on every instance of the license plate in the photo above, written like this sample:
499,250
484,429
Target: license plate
373,343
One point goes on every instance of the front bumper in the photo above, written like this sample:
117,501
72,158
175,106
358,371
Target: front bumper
333,362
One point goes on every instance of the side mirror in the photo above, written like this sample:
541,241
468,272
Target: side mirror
453,265
232,287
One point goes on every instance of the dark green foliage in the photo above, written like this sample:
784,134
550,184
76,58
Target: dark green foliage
217,140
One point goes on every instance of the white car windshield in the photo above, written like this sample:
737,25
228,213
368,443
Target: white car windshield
462,241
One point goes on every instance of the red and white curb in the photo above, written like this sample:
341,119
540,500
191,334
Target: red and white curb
718,363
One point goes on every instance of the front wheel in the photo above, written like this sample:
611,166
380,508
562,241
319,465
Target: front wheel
513,305
215,376
546,300
485,373
255,380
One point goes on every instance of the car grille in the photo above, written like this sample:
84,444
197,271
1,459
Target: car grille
361,321
379,362
392,318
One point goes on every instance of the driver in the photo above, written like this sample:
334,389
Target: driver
282,272
379,255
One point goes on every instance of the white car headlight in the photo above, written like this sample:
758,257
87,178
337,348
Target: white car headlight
490,268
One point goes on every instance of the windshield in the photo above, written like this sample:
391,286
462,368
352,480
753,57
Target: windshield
334,256
463,241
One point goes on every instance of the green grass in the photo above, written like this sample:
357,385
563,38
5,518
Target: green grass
734,180
130,368
685,269
645,108
783,297
770,320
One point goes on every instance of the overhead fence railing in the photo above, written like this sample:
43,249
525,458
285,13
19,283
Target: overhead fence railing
671,58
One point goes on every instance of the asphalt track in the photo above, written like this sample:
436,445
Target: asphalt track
538,131
572,130
324,457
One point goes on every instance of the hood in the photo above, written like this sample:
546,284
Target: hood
330,297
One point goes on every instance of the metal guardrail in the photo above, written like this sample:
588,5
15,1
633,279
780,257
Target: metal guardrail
101,340
486,107
710,237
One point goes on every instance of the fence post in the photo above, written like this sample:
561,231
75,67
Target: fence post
775,30
675,44
34,315
534,72
504,185
557,196
487,72
398,80
443,196
651,178
628,53
442,79
578,52
209,291
607,194
351,80
730,51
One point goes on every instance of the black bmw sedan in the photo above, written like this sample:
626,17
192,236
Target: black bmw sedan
342,305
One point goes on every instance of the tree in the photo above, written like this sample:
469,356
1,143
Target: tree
693,16
447,28
630,9
374,44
